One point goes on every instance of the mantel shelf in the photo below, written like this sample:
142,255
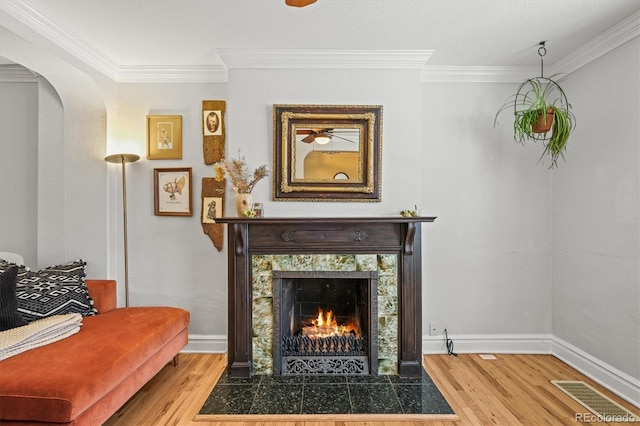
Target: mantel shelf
365,219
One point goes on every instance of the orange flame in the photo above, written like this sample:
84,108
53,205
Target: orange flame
326,325
328,321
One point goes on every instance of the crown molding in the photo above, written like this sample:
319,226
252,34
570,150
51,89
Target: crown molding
29,14
324,59
172,74
33,17
614,37
466,74
14,73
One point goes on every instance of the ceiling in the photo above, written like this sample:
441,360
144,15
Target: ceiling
187,34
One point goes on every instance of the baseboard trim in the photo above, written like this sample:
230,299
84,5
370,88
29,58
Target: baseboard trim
618,382
489,343
206,343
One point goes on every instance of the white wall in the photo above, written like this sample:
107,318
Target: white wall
71,206
18,167
171,261
252,94
50,186
596,236
486,259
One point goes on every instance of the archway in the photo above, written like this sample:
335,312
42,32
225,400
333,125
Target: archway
72,178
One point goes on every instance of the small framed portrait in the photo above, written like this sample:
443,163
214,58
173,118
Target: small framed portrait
164,137
172,192
212,122
211,209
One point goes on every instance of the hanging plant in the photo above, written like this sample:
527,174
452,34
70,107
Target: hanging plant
541,113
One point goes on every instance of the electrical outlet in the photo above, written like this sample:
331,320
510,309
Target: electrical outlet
433,328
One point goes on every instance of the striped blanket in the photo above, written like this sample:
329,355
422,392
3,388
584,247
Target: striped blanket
38,333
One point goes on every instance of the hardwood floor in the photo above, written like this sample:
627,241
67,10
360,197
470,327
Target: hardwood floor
510,390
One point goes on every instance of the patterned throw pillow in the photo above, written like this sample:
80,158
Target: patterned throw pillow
9,315
55,290
5,265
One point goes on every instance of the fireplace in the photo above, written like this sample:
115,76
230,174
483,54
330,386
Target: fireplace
325,322
269,252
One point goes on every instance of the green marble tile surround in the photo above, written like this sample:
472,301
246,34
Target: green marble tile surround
262,297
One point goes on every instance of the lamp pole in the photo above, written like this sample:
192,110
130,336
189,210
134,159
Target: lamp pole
123,159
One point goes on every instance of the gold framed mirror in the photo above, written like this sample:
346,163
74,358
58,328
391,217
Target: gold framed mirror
327,152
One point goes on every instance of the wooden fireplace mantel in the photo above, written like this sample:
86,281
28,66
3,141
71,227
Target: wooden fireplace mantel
340,235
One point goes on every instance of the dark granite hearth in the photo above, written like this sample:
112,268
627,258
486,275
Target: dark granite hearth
309,395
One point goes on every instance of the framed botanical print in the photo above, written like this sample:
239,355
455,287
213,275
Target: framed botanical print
164,137
172,192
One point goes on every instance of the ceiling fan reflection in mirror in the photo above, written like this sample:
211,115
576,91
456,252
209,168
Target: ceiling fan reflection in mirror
322,136
299,3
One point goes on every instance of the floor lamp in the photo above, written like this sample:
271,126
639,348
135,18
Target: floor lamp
123,159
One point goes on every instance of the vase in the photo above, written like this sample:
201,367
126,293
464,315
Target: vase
243,203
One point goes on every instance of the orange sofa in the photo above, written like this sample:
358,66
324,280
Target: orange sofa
85,378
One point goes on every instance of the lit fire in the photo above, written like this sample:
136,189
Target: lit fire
325,325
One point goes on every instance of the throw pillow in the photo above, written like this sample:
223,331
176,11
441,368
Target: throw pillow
5,265
9,315
55,290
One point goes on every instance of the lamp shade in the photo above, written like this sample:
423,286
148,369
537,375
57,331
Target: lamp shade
122,158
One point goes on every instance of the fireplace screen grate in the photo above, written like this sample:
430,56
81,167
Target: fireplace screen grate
325,365
318,346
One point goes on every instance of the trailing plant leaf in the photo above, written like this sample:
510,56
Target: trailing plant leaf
562,127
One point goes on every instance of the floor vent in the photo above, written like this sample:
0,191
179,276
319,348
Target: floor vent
488,356
594,401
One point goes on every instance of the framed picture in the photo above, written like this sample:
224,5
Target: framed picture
164,137
172,192
211,209
212,122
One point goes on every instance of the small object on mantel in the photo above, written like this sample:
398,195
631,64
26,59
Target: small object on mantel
407,213
249,213
259,209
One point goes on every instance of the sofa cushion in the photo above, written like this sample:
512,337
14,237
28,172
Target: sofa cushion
9,315
58,382
55,290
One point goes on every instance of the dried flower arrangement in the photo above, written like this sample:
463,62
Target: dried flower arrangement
236,169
